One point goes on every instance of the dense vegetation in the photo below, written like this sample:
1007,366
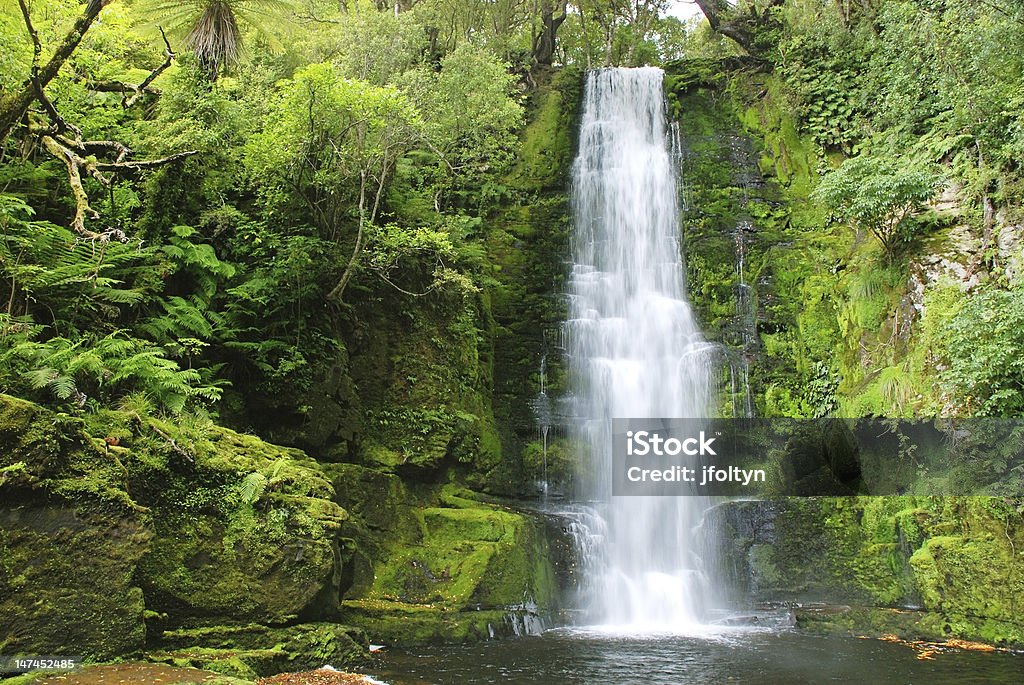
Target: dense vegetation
884,276
205,204
340,227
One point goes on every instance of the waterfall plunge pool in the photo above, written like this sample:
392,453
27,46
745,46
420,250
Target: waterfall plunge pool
570,656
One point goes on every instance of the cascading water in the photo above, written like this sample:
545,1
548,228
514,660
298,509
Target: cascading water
634,350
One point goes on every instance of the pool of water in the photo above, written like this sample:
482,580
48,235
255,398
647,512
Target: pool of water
768,657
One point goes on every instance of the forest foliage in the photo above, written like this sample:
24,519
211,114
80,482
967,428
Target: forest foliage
905,103
194,190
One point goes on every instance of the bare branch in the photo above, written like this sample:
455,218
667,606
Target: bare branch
14,106
142,88
74,164
143,164
172,443
37,47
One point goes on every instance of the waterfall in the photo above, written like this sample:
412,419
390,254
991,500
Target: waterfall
634,351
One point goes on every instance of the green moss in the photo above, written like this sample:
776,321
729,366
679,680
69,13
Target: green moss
956,558
396,623
251,651
223,552
467,557
426,379
526,239
436,563
974,584
65,508
547,139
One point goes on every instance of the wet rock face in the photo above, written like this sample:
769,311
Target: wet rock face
434,564
70,541
953,562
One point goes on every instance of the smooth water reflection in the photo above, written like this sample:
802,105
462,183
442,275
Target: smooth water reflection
762,658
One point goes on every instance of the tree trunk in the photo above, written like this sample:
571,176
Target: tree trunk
742,29
433,52
544,44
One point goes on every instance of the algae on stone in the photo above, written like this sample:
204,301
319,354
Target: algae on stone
70,540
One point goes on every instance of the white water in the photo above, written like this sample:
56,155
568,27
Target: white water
635,351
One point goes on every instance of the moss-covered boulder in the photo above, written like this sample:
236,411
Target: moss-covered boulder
245,532
181,524
932,567
70,540
436,563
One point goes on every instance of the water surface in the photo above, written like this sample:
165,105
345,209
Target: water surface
566,657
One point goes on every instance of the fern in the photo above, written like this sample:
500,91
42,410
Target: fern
53,272
200,260
251,488
63,387
108,368
182,318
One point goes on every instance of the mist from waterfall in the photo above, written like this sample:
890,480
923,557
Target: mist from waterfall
634,351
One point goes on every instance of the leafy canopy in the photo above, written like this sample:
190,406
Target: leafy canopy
877,194
329,135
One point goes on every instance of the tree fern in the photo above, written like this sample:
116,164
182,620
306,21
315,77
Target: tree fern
212,29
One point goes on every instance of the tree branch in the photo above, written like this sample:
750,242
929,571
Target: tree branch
74,164
741,29
143,164
68,151
339,289
14,106
143,88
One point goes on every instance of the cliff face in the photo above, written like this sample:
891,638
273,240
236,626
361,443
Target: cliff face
813,322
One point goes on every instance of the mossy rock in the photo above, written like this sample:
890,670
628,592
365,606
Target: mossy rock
957,559
435,573
864,621
547,140
469,557
399,623
382,511
974,584
425,382
251,651
199,570
222,553
70,540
